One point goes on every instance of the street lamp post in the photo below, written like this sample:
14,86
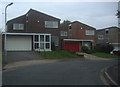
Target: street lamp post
5,51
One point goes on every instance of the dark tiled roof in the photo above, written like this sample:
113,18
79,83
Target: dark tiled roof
35,11
108,28
42,13
78,22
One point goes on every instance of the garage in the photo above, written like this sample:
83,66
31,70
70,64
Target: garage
72,46
19,43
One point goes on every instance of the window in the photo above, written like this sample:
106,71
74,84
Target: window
106,31
36,38
47,38
41,38
41,45
69,26
63,33
51,24
107,36
89,32
42,42
100,37
47,45
70,34
36,45
18,26
55,40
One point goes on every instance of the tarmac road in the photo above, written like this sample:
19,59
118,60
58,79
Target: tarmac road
78,72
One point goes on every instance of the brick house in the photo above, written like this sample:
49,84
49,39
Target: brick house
32,31
75,35
109,35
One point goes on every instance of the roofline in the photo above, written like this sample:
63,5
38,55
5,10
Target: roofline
44,14
108,28
33,10
26,33
77,40
15,18
78,22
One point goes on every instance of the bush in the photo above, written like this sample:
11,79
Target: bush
84,49
89,51
107,48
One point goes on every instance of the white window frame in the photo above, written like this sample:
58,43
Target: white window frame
101,37
63,33
17,26
43,42
53,24
90,32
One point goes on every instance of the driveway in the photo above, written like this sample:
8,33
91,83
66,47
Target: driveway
80,72
14,56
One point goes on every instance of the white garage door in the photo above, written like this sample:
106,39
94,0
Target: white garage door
19,43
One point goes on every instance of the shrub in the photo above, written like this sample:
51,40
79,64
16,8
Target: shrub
107,48
84,48
89,51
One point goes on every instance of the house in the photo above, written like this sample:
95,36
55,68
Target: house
32,31
75,35
109,35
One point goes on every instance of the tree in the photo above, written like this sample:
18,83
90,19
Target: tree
65,22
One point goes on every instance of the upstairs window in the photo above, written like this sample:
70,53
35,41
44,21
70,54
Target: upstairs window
51,24
100,37
63,33
90,32
18,26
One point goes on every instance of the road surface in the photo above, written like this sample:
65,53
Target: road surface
78,72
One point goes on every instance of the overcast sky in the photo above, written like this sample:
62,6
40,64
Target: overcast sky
96,14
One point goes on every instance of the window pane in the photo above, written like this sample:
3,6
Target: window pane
41,38
21,26
70,34
89,32
51,24
47,38
36,45
41,45
100,37
36,38
63,33
47,45
18,26
55,24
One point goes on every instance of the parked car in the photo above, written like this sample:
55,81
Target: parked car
116,52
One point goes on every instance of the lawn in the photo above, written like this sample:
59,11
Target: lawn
58,54
105,55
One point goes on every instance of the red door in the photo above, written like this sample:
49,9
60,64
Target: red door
72,46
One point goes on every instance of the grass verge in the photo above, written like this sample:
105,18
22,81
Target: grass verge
105,55
58,54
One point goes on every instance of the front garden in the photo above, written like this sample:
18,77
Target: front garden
58,54
102,50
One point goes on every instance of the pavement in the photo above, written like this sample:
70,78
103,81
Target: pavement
111,74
